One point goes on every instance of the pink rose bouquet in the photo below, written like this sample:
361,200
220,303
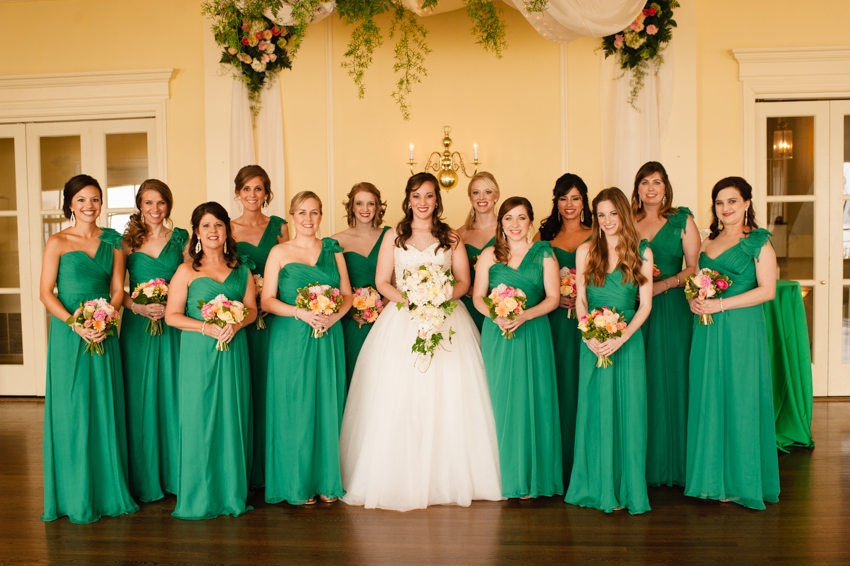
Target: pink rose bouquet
602,324
506,302
259,324
706,284
97,314
367,305
656,273
320,299
568,287
221,311
153,292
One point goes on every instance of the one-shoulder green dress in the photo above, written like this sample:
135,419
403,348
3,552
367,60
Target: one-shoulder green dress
472,253
361,273
731,432
567,340
150,381
609,470
306,393
85,435
667,334
523,388
215,417
258,351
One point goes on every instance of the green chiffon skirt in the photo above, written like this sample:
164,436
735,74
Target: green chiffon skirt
353,338
566,338
258,352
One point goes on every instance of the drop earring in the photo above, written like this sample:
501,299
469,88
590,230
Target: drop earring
225,247
582,215
746,217
73,219
198,247
664,200
265,204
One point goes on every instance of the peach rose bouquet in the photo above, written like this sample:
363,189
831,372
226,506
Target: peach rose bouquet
97,314
259,324
602,324
706,284
367,305
506,302
154,292
568,287
221,311
320,299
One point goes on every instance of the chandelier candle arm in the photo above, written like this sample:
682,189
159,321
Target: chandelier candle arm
447,164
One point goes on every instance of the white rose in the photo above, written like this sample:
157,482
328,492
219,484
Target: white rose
258,66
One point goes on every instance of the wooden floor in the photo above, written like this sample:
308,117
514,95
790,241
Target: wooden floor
810,524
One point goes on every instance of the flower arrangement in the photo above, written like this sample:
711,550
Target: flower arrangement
221,311
506,302
644,40
155,292
259,324
568,287
97,314
320,299
367,305
705,284
602,324
428,290
656,273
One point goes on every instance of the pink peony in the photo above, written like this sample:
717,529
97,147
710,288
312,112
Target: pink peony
704,281
619,41
721,284
245,25
99,314
651,29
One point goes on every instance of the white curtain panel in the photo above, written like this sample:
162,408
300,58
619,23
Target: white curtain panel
241,139
565,20
270,145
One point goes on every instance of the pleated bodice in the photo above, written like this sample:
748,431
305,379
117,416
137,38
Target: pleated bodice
206,289
737,262
82,278
361,269
260,253
528,276
294,276
666,246
143,267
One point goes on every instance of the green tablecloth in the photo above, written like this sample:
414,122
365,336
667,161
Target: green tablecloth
791,366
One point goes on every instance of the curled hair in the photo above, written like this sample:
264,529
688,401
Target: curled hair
551,225
301,198
137,231
490,182
645,171
74,185
219,213
628,244
439,229
746,193
380,209
249,172
502,251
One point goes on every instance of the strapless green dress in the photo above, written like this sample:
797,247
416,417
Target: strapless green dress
472,253
609,470
215,417
523,388
258,351
731,431
361,273
306,393
85,435
150,381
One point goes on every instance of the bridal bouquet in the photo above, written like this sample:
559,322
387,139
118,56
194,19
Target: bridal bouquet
221,311
367,305
506,302
320,299
98,314
154,292
705,284
568,287
602,324
428,290
259,324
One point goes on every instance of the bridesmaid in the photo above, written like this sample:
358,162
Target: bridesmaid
609,472
306,380
731,435
256,234
479,229
521,370
215,386
364,211
567,227
674,241
85,439
150,363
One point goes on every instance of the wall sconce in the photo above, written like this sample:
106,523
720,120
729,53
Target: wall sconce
447,164
783,142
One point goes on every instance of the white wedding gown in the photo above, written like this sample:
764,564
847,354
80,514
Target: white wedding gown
411,439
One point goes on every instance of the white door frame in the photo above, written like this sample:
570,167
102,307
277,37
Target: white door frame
839,376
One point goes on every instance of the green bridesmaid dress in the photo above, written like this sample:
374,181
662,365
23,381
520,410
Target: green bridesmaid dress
361,273
472,253
258,351
215,411
523,388
609,468
667,334
731,434
567,340
150,381
85,436
306,393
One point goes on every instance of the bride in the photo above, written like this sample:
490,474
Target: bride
411,438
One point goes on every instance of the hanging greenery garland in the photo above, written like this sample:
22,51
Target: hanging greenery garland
643,41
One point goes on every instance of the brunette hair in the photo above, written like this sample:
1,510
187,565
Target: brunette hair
628,245
746,193
218,211
551,225
249,172
490,182
502,251
645,171
439,229
137,231
74,185
380,209
301,198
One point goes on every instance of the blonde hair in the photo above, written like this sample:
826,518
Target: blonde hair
302,197
380,209
490,182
